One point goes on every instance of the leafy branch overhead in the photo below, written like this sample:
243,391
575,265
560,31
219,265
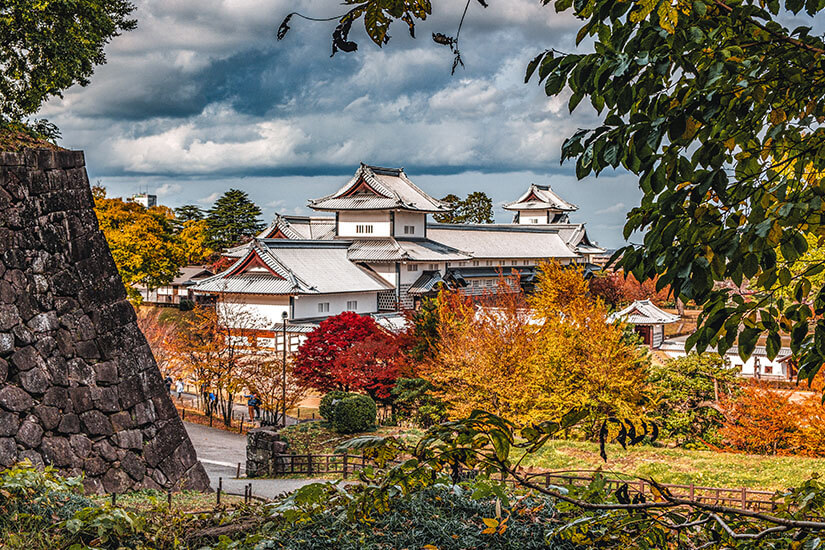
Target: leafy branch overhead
717,108
49,45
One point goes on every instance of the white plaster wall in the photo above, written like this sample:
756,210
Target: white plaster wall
380,221
746,367
385,270
532,217
264,312
407,276
306,307
409,218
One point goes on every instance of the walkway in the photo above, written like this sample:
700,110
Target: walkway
220,452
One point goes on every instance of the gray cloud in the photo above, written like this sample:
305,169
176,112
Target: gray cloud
201,97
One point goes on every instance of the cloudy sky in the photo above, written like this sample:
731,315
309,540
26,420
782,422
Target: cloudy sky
201,98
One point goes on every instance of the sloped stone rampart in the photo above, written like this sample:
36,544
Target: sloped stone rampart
79,387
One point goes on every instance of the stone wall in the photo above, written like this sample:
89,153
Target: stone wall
264,446
79,387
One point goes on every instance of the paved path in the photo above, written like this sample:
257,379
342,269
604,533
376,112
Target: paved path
220,452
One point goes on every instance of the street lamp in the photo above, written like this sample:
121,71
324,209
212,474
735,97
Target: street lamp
284,316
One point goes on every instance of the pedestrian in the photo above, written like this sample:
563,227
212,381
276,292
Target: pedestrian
257,406
168,383
213,402
252,404
179,388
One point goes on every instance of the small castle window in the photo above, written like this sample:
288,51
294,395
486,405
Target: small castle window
323,307
363,228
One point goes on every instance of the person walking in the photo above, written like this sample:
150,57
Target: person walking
168,383
252,405
179,388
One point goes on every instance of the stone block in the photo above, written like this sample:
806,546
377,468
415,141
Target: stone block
43,322
95,423
30,433
27,358
106,373
105,450
49,416
129,439
81,445
69,424
133,466
81,399
15,399
9,423
116,481
121,421
106,399
35,381
58,452
8,451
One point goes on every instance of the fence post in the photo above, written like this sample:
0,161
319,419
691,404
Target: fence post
744,498
238,472
220,487
346,455
309,464
692,491
240,427
642,486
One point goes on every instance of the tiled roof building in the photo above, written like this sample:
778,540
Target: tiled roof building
379,253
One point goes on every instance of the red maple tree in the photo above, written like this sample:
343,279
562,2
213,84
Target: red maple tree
350,352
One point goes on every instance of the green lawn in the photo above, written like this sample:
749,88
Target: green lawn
681,466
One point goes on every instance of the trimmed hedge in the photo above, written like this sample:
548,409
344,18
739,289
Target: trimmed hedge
354,414
327,407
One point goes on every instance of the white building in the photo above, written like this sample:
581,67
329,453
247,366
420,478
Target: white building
377,252
648,321
757,366
144,199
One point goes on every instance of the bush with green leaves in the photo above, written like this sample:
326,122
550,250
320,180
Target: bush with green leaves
353,414
414,401
41,496
686,394
327,406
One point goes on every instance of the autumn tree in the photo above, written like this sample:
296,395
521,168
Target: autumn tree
159,333
262,373
195,242
534,359
217,347
142,241
349,352
619,289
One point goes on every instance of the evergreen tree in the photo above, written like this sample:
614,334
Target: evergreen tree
232,218
477,208
454,202
188,212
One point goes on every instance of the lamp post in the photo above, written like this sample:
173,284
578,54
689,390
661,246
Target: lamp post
284,316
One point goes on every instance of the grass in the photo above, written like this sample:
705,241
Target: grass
183,501
680,466
664,464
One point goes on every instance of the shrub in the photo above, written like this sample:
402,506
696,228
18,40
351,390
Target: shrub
327,407
686,392
761,420
354,414
42,495
415,401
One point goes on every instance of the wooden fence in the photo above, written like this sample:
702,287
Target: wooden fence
345,465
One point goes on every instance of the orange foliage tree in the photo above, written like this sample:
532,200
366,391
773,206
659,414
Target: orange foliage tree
765,420
615,289
217,347
534,359
760,420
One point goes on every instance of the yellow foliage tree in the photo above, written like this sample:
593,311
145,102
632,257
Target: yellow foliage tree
195,241
145,250
533,359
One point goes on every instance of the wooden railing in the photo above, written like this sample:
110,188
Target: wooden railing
346,465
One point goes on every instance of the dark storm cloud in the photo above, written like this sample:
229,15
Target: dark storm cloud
202,97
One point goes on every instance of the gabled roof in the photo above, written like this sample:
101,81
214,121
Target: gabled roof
188,275
391,250
643,312
299,227
375,188
540,197
293,267
502,241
